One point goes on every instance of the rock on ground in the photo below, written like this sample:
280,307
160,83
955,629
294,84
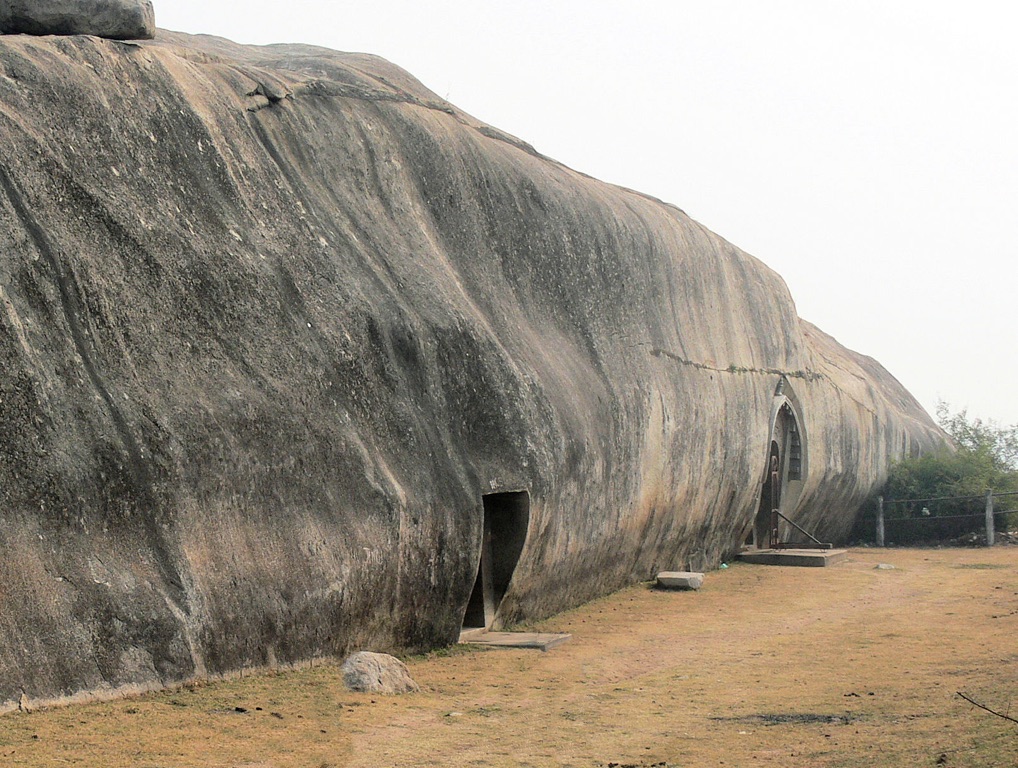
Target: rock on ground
377,673
115,19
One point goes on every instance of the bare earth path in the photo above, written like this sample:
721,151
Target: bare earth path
844,666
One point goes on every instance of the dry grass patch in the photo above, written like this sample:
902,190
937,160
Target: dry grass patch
844,666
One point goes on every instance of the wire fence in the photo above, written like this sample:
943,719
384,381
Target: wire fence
984,519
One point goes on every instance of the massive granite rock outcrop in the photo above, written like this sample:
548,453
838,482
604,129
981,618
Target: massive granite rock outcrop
115,19
298,358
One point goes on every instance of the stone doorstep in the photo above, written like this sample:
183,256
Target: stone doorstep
541,641
808,558
679,580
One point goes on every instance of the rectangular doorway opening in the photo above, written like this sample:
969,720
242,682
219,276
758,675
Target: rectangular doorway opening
504,532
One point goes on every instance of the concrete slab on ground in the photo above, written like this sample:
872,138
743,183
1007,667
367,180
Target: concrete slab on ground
679,580
809,558
541,641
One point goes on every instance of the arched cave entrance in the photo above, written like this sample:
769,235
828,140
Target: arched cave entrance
785,471
506,517
770,500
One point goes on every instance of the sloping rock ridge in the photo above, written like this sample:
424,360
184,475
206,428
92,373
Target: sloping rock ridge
287,342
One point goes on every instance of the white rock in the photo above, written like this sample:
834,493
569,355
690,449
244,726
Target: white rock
377,673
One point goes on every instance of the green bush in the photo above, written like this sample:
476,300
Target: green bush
984,457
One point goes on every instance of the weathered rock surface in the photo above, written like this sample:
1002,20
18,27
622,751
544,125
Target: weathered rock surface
377,673
115,19
272,322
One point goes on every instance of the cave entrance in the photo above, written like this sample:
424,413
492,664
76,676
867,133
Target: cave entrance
784,477
766,530
506,517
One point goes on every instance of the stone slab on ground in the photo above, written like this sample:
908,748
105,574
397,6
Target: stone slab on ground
543,641
808,558
679,580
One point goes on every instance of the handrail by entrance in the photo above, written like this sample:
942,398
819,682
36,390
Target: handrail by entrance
804,532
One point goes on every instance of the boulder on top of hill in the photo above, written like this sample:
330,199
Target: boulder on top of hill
115,19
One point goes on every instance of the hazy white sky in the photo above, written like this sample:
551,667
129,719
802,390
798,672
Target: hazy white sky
867,151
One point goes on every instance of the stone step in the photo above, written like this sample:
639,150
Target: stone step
543,641
808,558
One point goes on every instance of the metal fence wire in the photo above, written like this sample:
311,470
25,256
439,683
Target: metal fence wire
982,519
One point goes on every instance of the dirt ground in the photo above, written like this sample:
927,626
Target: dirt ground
843,666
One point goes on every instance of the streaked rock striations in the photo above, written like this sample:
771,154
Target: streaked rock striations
277,325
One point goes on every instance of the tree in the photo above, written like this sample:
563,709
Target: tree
1000,443
984,456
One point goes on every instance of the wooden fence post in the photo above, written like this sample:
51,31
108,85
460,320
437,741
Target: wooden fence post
880,521
989,518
